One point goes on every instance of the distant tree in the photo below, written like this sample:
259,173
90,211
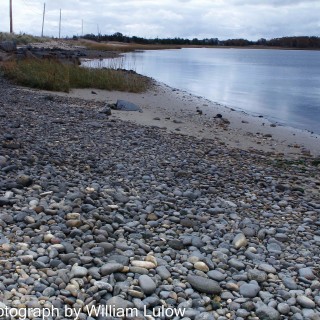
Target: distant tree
302,42
262,42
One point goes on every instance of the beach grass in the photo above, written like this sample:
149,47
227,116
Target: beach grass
21,38
55,76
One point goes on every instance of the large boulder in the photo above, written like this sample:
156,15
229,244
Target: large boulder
126,106
8,46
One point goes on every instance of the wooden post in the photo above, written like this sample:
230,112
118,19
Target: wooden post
44,12
60,25
11,23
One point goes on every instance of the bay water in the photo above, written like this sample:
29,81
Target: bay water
281,85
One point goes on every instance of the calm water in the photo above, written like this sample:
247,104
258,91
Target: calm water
282,85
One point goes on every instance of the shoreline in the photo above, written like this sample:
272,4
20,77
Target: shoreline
180,112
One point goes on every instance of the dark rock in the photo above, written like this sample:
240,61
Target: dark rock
204,285
126,106
4,201
24,180
8,46
176,244
106,110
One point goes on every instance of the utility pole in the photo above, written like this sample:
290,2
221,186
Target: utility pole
82,27
60,25
44,12
11,23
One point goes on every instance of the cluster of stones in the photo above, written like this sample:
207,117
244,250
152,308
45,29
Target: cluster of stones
58,54
102,212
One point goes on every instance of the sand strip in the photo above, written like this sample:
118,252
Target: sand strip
181,112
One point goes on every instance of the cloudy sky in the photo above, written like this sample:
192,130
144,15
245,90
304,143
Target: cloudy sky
224,19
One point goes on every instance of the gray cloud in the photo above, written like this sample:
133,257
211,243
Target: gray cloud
250,19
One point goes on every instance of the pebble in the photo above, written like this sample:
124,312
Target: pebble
305,302
249,290
266,312
201,266
307,273
110,268
240,241
216,275
147,285
204,285
78,272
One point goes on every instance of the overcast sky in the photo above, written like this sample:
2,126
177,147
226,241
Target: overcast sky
223,19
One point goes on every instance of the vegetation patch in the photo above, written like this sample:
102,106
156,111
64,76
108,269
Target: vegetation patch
55,76
124,47
21,38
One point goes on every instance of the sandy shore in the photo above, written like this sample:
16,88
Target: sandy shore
180,112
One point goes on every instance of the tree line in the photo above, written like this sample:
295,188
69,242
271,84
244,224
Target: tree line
302,42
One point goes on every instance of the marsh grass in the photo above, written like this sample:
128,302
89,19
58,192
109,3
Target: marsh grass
55,76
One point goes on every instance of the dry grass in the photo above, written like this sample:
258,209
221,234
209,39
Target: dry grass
21,38
55,76
124,47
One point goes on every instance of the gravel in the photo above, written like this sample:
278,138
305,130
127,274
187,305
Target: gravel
100,212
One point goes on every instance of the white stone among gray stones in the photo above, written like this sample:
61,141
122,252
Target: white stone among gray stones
239,241
78,272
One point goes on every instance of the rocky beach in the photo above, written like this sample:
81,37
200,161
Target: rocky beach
157,212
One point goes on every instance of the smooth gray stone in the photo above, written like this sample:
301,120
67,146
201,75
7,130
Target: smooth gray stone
204,285
147,285
163,272
110,268
255,274
290,283
249,290
307,273
265,312
216,275
306,302
78,272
